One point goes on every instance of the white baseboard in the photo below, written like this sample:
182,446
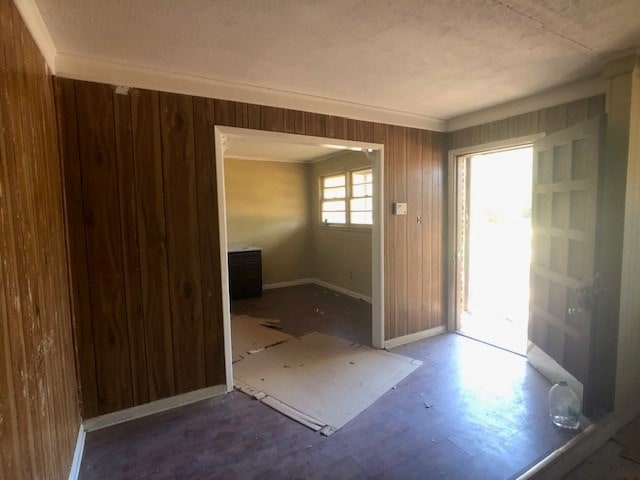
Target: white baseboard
320,283
566,458
292,283
344,291
74,473
150,408
414,337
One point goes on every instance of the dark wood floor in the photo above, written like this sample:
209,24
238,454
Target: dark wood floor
470,411
311,308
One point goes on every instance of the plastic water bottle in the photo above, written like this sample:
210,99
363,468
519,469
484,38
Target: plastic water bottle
564,406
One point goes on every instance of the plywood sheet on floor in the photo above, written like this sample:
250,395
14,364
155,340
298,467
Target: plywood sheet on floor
327,380
250,335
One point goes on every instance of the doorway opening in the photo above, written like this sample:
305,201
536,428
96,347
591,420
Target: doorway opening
259,142
494,246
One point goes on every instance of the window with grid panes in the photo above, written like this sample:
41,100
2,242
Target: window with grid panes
347,198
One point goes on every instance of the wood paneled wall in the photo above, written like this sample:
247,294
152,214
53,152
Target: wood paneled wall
142,212
547,120
39,416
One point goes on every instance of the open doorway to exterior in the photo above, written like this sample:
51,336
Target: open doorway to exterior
494,246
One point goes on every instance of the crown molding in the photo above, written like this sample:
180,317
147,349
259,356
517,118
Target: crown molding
587,87
30,13
83,68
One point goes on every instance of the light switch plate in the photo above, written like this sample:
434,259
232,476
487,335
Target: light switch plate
399,208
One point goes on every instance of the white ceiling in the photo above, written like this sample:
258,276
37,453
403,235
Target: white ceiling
428,58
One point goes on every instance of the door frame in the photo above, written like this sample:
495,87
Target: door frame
375,153
454,157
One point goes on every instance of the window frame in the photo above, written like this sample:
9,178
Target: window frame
348,174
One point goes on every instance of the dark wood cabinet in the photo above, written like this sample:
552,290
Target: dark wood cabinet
245,274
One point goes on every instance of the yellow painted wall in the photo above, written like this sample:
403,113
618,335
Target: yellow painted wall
276,206
342,255
268,207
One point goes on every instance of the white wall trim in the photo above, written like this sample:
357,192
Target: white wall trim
414,337
157,406
74,472
30,13
566,458
344,291
320,283
291,283
569,92
83,68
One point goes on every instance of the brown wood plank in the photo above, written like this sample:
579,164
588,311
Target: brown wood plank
38,398
339,127
430,234
27,332
379,135
66,399
272,119
253,115
181,209
363,131
104,250
79,275
225,111
242,115
20,432
47,255
208,224
415,227
149,187
389,235
400,232
289,121
439,160
130,248
315,124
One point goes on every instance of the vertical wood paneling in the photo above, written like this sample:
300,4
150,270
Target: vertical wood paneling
39,415
181,210
400,258
253,115
173,193
315,124
68,134
389,234
429,165
225,112
415,264
104,249
438,223
130,248
209,240
149,185
549,120
272,119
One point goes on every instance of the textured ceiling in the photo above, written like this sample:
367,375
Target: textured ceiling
435,58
